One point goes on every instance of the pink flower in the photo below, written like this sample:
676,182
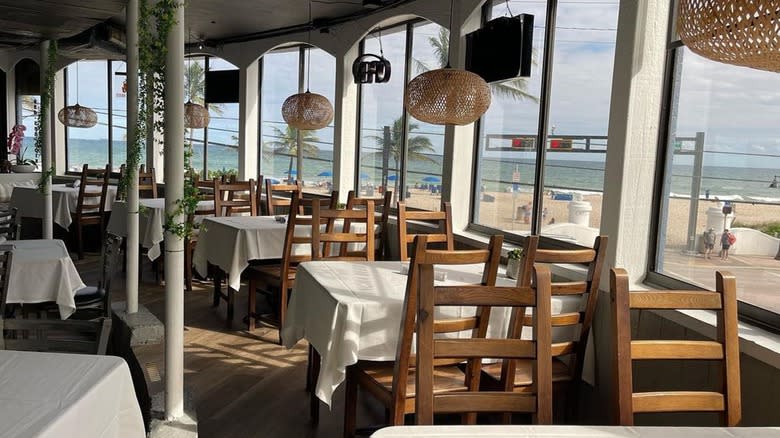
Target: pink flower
15,138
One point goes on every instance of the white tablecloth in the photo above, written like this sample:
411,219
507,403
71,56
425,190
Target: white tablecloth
150,222
67,395
65,200
573,431
42,271
10,180
231,242
352,310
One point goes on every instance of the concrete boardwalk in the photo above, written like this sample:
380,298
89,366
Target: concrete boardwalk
758,277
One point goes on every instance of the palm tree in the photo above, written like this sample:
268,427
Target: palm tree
417,146
514,88
195,86
287,143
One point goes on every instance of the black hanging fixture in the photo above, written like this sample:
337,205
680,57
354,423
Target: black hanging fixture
369,68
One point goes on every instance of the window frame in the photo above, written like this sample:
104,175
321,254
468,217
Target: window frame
748,313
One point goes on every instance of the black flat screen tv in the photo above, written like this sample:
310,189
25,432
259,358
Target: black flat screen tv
222,86
502,49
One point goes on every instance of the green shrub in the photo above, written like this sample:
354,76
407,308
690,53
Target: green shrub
770,228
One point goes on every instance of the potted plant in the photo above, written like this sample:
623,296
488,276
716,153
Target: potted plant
513,262
15,139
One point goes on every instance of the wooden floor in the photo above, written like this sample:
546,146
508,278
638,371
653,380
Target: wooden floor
242,384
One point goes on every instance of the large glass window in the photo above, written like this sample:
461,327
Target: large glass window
396,150
721,173
575,149
87,84
284,73
215,147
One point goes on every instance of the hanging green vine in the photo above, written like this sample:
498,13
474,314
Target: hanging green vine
47,91
155,22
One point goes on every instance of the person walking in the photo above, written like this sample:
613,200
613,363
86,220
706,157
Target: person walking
726,240
709,242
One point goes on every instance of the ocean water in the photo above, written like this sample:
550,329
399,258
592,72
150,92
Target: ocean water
732,183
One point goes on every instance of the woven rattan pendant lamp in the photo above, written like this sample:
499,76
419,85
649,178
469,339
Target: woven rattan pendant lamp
447,96
77,116
738,32
307,111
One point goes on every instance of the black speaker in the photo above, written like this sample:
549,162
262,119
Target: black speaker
502,49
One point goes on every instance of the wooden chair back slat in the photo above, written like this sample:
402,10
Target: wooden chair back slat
274,192
9,223
592,259
538,400
676,350
382,208
442,219
352,245
66,336
685,401
147,182
92,203
724,348
233,198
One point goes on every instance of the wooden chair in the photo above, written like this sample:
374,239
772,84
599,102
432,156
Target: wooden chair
274,201
9,224
206,193
382,216
147,183
443,219
569,354
355,246
262,208
6,258
90,209
537,401
393,383
724,349
98,298
278,279
51,335
236,197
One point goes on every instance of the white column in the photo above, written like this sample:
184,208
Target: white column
345,124
48,229
174,245
58,139
131,279
637,87
10,99
248,113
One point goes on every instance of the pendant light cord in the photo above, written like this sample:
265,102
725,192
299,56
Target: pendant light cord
381,52
509,10
452,8
308,63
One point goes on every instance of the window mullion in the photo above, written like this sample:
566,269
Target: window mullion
402,168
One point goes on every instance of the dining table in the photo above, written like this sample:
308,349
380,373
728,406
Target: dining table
545,431
151,221
29,202
42,271
67,395
350,311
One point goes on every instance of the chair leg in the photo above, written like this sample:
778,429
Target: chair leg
79,241
283,295
350,404
187,267
251,305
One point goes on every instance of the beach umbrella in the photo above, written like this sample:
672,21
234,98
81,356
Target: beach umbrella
273,180
364,175
325,173
392,177
291,172
431,179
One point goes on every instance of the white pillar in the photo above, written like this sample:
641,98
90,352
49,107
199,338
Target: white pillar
58,140
48,230
248,113
345,127
174,245
131,279
637,88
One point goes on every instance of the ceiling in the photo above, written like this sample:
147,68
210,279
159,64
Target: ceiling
27,22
